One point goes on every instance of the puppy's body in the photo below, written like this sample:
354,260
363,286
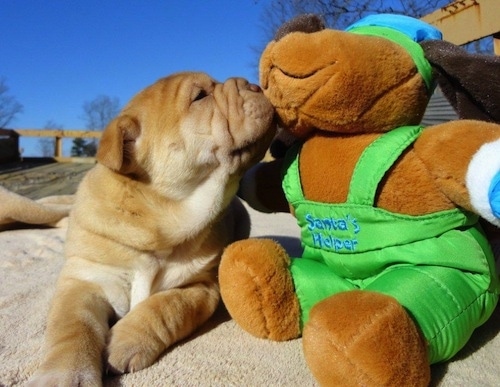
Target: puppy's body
149,225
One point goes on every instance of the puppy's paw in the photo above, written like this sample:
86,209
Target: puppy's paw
56,378
130,351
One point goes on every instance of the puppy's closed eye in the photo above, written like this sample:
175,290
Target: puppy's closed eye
202,94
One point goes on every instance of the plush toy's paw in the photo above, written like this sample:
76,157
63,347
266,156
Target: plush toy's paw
361,338
483,182
257,289
494,195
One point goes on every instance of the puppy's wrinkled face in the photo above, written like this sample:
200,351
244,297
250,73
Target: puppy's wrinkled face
178,131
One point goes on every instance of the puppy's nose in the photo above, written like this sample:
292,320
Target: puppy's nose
255,88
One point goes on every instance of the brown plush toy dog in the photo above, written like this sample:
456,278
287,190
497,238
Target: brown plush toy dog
396,272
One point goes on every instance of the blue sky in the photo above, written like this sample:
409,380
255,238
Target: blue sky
57,54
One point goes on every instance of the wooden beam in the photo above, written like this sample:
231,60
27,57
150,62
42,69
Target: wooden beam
58,147
80,160
464,21
57,133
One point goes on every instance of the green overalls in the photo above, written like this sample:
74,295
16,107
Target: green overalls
438,266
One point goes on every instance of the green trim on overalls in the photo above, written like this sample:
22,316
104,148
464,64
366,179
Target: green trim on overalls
419,260
413,48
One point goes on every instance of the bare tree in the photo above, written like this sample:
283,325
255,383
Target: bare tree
100,111
47,145
336,14
341,13
9,107
97,114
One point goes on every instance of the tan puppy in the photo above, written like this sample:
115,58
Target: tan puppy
149,225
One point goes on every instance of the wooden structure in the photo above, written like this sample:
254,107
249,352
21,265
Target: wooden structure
59,135
39,179
464,21
9,146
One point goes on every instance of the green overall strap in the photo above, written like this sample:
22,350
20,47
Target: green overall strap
292,186
376,160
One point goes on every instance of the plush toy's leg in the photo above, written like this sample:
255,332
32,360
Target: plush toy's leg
257,289
361,338
447,304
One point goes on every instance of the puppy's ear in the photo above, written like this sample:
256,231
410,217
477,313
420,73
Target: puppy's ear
470,82
116,148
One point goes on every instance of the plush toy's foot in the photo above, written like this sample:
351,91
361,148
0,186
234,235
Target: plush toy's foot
257,289
363,338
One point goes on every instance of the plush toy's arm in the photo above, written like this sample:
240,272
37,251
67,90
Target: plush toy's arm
464,159
261,187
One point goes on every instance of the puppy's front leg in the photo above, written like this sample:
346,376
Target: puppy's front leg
75,336
137,340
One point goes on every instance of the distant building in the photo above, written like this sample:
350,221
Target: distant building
438,110
9,146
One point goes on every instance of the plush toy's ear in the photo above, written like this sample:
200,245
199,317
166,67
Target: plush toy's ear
470,82
116,148
303,23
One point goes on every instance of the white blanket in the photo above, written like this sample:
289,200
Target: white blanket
220,354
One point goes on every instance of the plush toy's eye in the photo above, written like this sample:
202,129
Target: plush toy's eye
202,94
